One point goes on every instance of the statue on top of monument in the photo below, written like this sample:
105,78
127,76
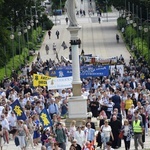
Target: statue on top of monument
70,6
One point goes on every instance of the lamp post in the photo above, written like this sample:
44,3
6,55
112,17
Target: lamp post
140,28
12,39
19,34
5,61
60,4
134,24
36,22
28,27
131,22
146,30
125,3
32,24
106,10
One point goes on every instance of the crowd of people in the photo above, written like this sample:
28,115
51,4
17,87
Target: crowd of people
121,103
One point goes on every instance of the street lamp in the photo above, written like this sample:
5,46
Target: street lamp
12,38
140,28
32,24
106,9
134,24
131,22
128,20
26,31
19,34
146,30
36,22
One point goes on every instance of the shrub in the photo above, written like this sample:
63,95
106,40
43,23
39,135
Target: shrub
130,33
121,22
48,24
31,45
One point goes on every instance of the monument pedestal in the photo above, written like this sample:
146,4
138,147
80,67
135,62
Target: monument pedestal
77,110
77,107
77,104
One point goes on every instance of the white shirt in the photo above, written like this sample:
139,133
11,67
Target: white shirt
80,137
12,120
106,130
5,124
85,94
126,129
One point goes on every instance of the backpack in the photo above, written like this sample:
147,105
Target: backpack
16,140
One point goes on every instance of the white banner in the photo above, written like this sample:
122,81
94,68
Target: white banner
59,83
118,68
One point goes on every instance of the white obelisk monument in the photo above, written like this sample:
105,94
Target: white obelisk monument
77,103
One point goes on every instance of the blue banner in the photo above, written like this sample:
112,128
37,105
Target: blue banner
45,118
85,71
16,107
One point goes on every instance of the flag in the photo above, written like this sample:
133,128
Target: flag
40,80
16,107
45,118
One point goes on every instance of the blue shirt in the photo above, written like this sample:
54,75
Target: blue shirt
91,134
53,108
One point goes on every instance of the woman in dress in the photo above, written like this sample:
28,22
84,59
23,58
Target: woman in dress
36,134
80,136
31,129
72,130
127,134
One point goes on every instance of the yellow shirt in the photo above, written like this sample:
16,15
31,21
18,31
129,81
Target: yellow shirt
128,103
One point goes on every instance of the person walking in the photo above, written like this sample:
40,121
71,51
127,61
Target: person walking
64,45
47,49
31,129
99,20
54,48
22,134
57,34
80,136
127,134
115,126
116,100
53,108
117,38
66,20
90,133
72,130
5,128
49,34
106,133
138,130
128,103
60,136
1,137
